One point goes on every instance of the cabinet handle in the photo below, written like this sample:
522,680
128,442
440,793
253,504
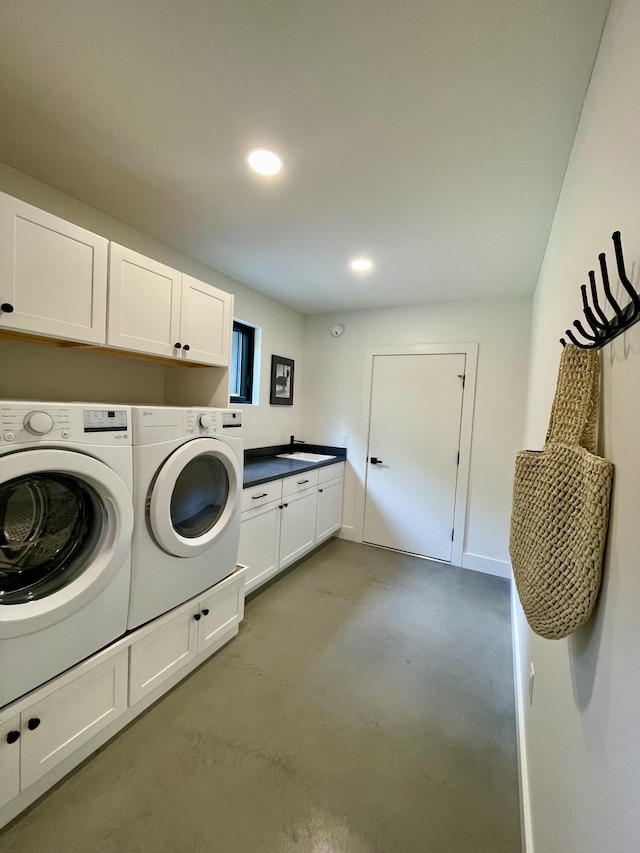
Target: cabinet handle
33,723
205,611
285,504
302,482
320,490
197,616
13,736
177,346
186,347
257,497
6,308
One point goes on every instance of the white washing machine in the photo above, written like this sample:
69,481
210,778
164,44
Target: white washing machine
66,518
187,492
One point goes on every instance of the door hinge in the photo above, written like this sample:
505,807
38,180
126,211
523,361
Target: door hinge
452,532
458,460
462,376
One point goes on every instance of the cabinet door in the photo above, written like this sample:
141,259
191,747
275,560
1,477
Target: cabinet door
205,322
220,611
144,304
160,653
55,726
52,273
329,513
297,526
260,543
9,759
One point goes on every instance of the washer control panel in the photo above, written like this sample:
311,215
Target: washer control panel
28,422
104,420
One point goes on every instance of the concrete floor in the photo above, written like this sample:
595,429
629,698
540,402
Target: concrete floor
366,707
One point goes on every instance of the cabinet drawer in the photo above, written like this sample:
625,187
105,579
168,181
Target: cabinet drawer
260,495
330,472
299,483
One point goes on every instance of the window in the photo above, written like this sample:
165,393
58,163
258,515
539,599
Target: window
243,349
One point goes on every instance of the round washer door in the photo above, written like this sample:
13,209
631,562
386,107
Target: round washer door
65,528
195,496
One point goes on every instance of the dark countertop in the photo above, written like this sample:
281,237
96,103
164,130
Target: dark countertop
261,464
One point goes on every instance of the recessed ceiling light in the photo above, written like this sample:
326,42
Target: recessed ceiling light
361,264
264,162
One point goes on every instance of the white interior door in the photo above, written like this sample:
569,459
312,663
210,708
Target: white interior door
413,452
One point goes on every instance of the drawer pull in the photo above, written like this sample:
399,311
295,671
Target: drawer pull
13,736
257,497
33,723
302,482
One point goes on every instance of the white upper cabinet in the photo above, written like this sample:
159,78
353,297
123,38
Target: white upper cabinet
144,304
53,275
205,322
156,310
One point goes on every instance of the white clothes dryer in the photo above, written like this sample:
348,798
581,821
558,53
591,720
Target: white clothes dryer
66,518
187,493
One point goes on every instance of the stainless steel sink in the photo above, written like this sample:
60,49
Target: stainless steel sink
306,457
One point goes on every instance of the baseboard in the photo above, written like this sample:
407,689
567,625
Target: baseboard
346,532
521,732
488,566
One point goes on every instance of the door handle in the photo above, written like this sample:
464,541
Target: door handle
375,461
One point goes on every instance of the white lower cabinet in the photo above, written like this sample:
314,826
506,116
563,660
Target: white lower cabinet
260,543
276,533
163,651
297,526
220,612
329,514
58,723
170,643
9,759
46,734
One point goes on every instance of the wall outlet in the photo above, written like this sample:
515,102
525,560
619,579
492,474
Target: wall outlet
532,676
344,440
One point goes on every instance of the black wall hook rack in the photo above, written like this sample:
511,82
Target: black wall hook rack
601,329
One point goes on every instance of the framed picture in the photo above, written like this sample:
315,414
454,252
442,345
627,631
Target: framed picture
281,381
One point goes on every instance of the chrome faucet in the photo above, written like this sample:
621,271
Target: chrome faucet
293,440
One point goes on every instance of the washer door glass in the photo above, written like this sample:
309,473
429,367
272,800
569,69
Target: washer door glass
51,526
199,496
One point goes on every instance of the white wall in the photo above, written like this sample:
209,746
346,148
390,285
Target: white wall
582,742
334,374
41,371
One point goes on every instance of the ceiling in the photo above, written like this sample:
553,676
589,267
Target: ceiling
429,135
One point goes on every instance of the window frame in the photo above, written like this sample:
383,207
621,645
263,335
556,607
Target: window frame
247,361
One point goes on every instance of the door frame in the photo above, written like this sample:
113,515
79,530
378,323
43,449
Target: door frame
470,351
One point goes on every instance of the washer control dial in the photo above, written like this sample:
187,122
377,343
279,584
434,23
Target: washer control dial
205,421
38,423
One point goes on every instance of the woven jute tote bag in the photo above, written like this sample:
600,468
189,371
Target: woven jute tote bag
560,508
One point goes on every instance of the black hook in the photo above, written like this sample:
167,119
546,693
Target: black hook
607,289
624,279
604,330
